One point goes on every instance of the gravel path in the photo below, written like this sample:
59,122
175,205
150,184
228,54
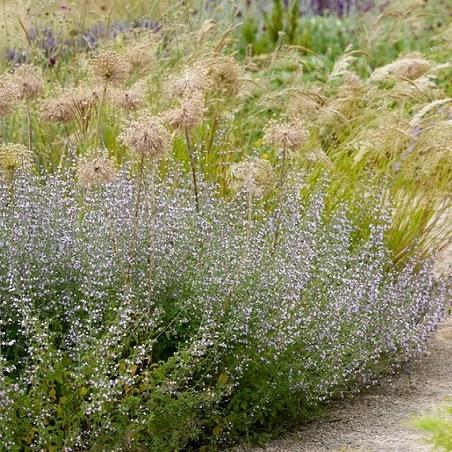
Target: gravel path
379,419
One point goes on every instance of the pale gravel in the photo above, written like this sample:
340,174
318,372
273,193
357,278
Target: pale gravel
380,419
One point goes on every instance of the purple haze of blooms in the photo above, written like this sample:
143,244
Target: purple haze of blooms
338,7
90,38
45,39
16,56
52,44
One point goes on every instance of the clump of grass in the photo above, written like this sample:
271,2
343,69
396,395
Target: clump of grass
439,430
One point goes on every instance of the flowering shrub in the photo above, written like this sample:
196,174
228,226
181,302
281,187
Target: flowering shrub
132,318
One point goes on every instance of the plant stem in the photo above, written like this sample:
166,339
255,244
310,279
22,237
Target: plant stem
29,124
134,237
193,167
279,198
99,112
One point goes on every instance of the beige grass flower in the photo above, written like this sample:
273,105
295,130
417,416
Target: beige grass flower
95,171
146,136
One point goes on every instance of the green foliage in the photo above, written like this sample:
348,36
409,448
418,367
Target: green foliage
439,430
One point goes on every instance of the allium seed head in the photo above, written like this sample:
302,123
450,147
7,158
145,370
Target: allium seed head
188,114
254,176
29,81
146,136
192,80
69,103
95,171
139,58
9,93
109,67
130,99
14,157
225,75
290,135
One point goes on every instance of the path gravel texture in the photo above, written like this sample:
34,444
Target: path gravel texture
379,420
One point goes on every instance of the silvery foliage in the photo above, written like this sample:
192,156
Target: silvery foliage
94,280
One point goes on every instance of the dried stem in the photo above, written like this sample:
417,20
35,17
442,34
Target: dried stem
29,131
193,167
279,197
99,112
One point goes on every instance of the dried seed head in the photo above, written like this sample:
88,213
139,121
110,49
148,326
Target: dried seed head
109,67
352,86
254,176
95,171
289,135
139,58
436,139
410,67
56,110
342,65
14,157
146,136
9,94
388,136
70,103
303,103
188,114
225,75
192,80
338,111
29,81
423,88
130,99
319,156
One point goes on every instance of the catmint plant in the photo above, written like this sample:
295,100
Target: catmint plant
208,329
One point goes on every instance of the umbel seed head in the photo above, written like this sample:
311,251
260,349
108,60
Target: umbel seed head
189,114
95,171
288,135
109,67
29,81
254,176
146,136
14,157
9,94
